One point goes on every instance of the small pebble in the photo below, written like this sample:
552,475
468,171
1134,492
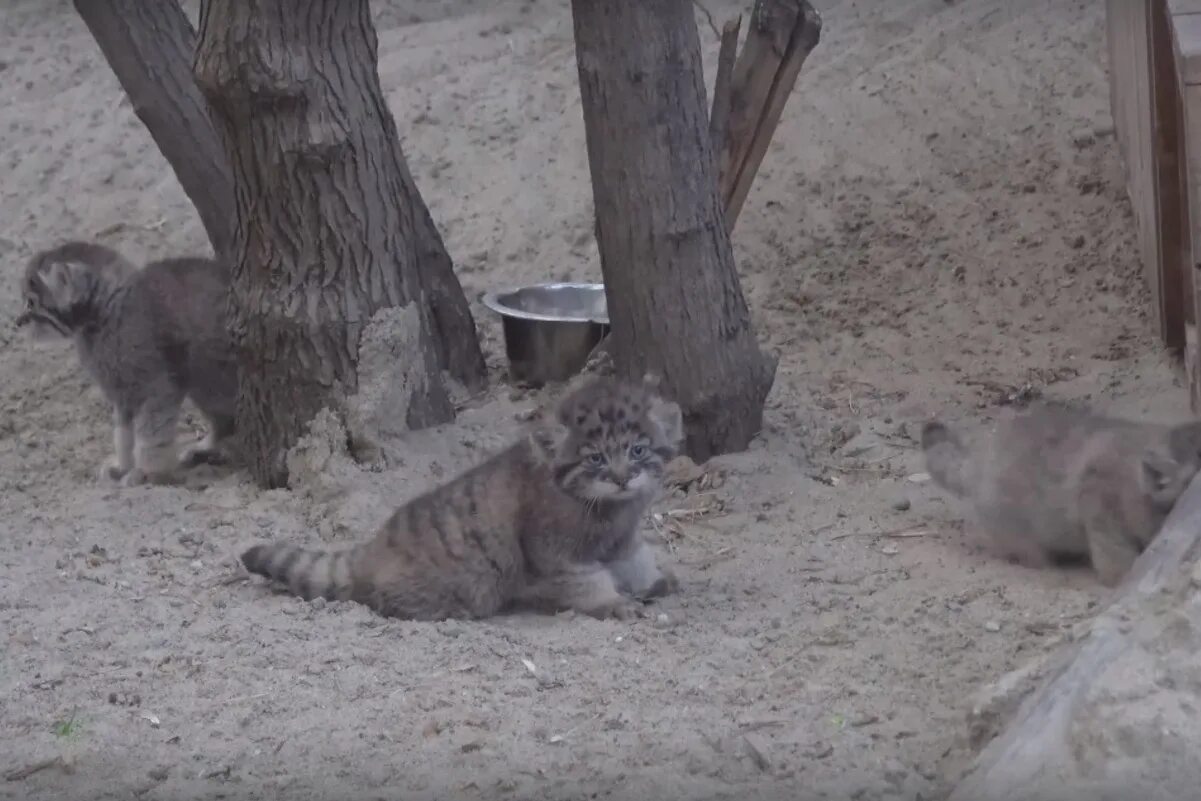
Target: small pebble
992,626
317,603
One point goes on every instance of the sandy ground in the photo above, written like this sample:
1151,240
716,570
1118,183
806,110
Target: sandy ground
939,228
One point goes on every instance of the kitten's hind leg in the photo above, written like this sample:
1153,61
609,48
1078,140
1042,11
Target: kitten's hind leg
636,573
121,462
1111,551
585,588
155,452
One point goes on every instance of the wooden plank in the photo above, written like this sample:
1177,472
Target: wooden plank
802,39
1131,71
719,117
1168,189
1190,99
1184,7
1037,755
1192,367
1188,261
1186,43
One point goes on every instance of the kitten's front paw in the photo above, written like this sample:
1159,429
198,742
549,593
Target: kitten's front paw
667,584
134,478
111,470
618,610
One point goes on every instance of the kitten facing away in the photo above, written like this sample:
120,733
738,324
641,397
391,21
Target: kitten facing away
551,523
149,338
1059,484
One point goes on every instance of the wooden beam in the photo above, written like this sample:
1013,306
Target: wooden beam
1167,155
719,117
780,37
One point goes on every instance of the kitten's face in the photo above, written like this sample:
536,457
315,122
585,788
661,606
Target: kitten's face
610,441
59,288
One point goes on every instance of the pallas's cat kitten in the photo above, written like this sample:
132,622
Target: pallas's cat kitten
1059,484
149,338
551,522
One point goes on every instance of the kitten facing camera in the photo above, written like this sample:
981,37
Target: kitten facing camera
548,524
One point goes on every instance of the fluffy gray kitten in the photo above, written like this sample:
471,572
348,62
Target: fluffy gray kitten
1059,484
549,523
149,338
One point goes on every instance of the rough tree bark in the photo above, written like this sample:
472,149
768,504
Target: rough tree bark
675,303
149,47
330,226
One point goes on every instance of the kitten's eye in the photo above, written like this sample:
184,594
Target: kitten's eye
638,451
595,458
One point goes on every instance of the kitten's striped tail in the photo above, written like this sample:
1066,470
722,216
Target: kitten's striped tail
309,574
946,458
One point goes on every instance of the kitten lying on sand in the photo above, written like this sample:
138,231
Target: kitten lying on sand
1057,484
550,523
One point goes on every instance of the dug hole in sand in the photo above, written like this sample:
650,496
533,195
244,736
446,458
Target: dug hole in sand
940,227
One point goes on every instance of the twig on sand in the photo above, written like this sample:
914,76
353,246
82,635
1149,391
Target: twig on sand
19,774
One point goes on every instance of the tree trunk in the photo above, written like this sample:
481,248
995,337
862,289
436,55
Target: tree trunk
330,227
1117,719
675,304
149,47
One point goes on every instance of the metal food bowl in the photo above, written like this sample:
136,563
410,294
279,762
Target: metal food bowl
550,329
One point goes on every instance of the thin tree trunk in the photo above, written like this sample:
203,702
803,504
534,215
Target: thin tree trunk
330,226
149,46
675,303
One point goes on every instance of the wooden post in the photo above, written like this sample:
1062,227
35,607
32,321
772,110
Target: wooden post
1184,23
781,35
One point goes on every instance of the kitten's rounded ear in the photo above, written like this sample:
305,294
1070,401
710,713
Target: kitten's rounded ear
1157,471
546,437
667,415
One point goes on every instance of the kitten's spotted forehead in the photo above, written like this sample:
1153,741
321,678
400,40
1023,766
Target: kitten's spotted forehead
607,409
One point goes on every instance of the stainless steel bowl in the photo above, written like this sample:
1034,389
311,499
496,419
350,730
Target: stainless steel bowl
550,328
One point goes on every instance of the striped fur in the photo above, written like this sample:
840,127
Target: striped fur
551,522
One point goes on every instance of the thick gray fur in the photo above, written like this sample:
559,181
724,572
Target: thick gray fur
549,523
149,338
1059,484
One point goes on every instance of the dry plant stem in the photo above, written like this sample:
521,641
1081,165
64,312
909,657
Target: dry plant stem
719,116
782,34
20,774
